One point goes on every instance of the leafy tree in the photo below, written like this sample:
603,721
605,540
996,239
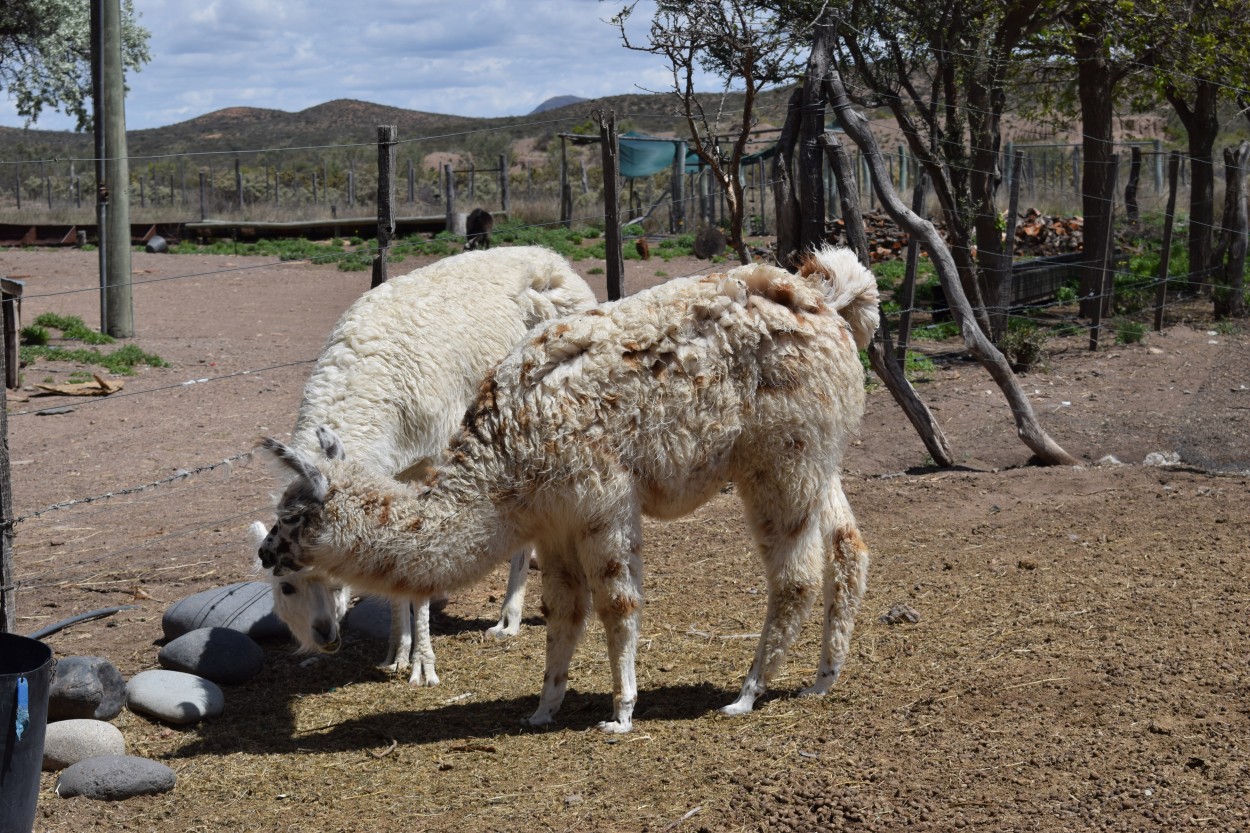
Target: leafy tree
45,55
943,70
745,45
1204,62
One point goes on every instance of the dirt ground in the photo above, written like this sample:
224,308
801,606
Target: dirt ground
1081,659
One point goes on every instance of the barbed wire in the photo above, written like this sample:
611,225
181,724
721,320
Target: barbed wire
181,474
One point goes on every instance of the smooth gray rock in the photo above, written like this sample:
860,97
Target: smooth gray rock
174,696
69,741
246,607
86,688
225,656
115,777
370,617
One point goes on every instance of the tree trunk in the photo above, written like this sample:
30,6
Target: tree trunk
880,351
1131,211
1027,427
812,121
1202,124
1094,83
1231,261
983,182
788,234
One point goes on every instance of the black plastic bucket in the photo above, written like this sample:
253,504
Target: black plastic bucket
25,679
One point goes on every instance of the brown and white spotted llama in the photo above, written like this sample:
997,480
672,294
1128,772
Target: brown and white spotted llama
643,406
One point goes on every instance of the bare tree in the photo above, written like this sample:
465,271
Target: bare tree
749,49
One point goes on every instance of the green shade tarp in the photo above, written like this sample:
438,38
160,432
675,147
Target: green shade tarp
643,156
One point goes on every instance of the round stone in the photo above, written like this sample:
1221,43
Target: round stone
174,696
86,687
115,777
225,656
69,741
246,607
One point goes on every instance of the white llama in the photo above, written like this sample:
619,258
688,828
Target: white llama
642,406
394,379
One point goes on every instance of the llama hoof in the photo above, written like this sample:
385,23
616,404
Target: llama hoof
737,707
818,689
615,727
504,630
538,719
421,678
395,667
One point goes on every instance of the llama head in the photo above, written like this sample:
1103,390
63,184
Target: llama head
309,604
282,550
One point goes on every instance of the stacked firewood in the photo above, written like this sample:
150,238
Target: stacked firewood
1037,235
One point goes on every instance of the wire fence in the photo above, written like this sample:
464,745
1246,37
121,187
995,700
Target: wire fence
187,526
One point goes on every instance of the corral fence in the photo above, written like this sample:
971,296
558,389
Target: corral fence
684,200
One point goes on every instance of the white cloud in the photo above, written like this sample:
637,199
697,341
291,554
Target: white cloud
496,58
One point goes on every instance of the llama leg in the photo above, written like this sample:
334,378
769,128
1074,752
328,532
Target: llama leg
399,644
514,598
790,548
846,576
422,647
565,601
614,567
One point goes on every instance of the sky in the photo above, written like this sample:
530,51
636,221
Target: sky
461,57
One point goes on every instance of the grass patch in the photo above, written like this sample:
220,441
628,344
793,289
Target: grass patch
357,255
71,327
121,361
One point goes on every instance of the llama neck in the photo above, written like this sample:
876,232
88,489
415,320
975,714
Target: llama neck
399,540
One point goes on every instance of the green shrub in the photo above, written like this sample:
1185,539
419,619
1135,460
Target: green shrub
1024,345
34,334
918,365
1129,332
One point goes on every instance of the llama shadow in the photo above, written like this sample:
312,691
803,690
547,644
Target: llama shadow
443,623
261,716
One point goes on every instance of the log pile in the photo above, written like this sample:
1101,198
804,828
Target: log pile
1037,235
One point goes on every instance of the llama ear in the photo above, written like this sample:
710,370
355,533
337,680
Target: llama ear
299,463
330,443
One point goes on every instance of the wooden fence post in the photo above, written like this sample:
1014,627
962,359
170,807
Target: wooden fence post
999,318
386,200
1107,282
566,193
504,200
449,196
8,584
761,180
412,183
908,290
1130,189
615,266
203,197
679,184
238,184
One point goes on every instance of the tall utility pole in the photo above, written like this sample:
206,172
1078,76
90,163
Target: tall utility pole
112,169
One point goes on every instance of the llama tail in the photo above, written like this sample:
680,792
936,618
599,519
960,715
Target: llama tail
850,288
554,289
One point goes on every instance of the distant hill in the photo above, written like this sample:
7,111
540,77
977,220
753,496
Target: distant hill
344,128
555,103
